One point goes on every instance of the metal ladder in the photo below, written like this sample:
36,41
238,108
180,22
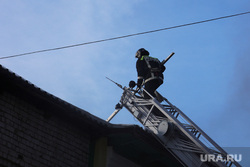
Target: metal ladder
174,130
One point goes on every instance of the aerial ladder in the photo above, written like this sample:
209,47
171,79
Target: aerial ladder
173,129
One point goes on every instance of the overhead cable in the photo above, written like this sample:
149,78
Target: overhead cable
125,36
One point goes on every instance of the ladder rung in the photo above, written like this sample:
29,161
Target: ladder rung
156,121
198,135
151,125
188,126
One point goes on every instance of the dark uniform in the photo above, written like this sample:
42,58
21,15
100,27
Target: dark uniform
150,70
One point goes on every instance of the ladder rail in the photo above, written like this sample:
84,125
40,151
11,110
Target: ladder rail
197,128
149,125
142,109
202,133
183,129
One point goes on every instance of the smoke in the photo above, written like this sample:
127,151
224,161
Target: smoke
237,110
241,96
239,101
232,121
231,124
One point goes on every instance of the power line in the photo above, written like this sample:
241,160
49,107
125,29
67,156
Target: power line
125,36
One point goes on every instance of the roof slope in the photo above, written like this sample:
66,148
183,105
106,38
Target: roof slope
140,141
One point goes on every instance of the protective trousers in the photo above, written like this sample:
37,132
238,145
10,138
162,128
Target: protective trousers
151,87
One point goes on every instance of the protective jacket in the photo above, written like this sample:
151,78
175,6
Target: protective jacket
149,68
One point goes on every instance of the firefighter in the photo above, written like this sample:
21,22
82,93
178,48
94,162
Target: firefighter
150,72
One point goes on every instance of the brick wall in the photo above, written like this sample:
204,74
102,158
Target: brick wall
28,138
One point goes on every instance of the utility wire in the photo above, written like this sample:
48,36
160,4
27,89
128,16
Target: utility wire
125,36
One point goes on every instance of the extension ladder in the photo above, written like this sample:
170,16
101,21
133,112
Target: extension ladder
174,130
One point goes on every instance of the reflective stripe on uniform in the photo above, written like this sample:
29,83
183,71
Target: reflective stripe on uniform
140,77
151,78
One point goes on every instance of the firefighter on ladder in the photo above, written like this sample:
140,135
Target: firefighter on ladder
150,72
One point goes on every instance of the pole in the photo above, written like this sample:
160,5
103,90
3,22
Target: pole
112,115
119,85
164,61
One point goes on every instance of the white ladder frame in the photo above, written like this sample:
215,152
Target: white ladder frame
188,144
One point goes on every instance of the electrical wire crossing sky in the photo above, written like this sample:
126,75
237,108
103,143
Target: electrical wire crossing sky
125,36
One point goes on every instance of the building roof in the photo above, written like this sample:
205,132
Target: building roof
128,140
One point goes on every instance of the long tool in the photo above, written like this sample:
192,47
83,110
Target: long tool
164,61
119,85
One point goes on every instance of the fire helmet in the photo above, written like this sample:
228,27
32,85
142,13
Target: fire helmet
141,52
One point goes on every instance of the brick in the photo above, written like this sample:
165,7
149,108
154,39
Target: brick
29,140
